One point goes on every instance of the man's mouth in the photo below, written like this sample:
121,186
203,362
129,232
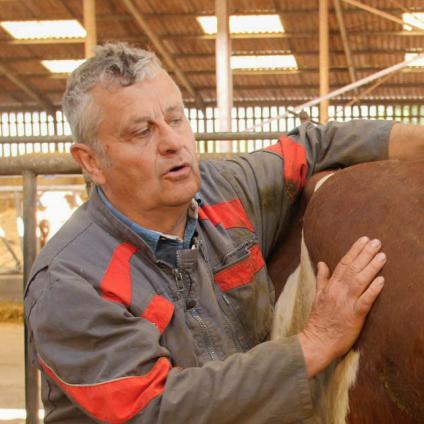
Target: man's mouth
177,168
178,171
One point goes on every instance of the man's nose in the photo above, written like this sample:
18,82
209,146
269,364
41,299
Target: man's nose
170,141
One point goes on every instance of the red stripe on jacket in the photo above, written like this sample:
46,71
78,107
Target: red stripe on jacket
116,283
159,312
118,400
295,165
229,214
242,272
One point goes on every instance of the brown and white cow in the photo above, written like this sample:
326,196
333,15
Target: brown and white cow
381,380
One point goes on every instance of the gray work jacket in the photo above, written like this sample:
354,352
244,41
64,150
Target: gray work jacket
121,336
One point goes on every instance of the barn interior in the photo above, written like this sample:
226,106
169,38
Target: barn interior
248,70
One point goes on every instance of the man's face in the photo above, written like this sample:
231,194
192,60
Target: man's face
149,145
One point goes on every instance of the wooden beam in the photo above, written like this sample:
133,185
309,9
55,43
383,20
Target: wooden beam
207,37
300,87
349,59
207,55
324,59
224,82
89,12
306,70
27,89
234,11
159,46
380,13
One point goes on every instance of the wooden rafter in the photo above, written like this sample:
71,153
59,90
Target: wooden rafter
26,88
211,37
204,55
162,50
346,46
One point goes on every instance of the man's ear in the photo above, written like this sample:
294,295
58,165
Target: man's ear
89,162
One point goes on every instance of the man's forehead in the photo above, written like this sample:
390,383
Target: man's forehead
143,117
141,100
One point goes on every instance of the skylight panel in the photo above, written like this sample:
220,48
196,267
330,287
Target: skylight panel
416,19
62,66
37,30
244,24
264,62
419,63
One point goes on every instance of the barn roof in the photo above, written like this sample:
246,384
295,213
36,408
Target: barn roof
375,43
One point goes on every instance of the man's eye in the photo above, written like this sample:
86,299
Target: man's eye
176,121
142,133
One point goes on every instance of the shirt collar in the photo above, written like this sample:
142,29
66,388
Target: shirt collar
152,237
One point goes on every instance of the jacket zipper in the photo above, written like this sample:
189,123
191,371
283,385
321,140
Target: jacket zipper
229,324
245,245
207,338
179,279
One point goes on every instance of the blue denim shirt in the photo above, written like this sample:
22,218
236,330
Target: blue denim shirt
164,246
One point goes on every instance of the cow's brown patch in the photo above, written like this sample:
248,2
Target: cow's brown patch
383,200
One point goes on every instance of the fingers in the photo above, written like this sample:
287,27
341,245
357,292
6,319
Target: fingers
367,299
350,256
323,276
365,277
366,255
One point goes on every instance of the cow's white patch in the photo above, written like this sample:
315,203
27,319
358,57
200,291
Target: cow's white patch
291,314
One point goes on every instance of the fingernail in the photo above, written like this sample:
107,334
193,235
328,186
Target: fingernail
380,281
376,243
363,239
381,257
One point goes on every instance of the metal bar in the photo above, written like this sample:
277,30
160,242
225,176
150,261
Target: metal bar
224,83
36,139
30,252
49,164
324,59
55,187
223,135
378,12
342,90
65,165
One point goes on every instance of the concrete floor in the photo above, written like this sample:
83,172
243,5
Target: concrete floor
12,371
12,382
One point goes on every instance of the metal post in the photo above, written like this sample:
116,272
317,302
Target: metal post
30,251
324,62
224,83
89,12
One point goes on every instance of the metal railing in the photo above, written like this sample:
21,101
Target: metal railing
24,132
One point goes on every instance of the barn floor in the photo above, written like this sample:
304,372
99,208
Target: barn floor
12,382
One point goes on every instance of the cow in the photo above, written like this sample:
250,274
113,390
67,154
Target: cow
381,379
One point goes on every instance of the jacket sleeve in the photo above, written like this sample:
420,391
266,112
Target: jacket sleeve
268,181
111,365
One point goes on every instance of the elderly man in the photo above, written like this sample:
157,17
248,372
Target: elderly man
153,303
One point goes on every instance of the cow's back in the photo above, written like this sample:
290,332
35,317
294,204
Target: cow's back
383,200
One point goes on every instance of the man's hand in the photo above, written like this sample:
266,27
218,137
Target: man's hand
341,304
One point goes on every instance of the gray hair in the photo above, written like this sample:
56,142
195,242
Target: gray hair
112,63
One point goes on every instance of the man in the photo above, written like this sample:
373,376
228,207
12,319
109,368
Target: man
153,303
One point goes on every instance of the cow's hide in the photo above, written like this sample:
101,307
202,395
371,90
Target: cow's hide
381,379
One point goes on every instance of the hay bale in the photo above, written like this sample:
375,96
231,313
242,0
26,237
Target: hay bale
11,312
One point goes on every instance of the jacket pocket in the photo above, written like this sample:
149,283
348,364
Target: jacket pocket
246,287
